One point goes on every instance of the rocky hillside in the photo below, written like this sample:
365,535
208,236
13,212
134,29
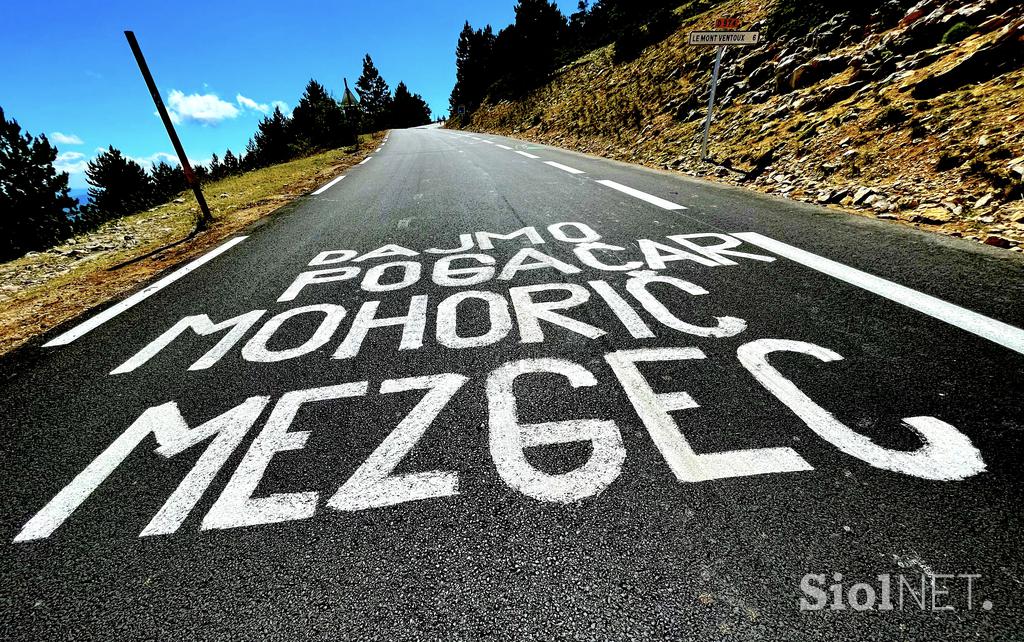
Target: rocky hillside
914,115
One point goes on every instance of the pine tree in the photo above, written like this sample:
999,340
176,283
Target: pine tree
374,97
526,51
231,165
168,181
473,75
318,121
119,185
215,167
201,172
271,142
408,109
35,207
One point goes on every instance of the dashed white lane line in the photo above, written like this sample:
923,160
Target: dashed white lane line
328,185
141,295
502,146
378,149
475,138
978,324
564,168
526,154
365,160
643,196
489,142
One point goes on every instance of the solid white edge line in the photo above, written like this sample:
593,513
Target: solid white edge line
503,146
643,196
564,168
328,186
365,160
526,154
141,295
978,324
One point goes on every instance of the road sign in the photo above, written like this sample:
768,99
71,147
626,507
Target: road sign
724,38
721,39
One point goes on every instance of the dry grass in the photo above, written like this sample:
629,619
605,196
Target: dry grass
44,289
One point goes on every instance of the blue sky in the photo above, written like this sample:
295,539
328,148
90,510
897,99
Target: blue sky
68,71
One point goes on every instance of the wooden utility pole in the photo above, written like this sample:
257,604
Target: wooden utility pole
205,218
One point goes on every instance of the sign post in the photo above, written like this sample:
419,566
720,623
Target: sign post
720,39
205,218
711,103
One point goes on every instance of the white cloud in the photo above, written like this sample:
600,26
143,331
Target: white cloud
284,107
148,162
249,103
70,162
65,139
206,109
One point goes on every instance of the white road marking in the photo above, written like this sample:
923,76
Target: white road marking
643,196
526,154
564,168
139,296
365,160
378,149
489,142
475,138
980,325
328,185
504,146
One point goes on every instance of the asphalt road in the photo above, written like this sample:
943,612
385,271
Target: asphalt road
508,461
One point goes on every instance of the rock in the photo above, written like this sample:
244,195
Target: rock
816,69
861,194
886,216
993,23
829,96
986,219
844,142
1016,166
871,199
915,12
932,216
224,195
1002,54
998,241
984,201
881,205
179,200
954,208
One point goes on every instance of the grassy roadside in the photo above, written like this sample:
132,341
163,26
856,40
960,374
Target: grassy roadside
41,290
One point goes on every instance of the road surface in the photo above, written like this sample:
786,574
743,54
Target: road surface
659,408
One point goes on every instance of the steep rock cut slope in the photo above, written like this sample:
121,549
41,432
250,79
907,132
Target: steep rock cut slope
912,113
